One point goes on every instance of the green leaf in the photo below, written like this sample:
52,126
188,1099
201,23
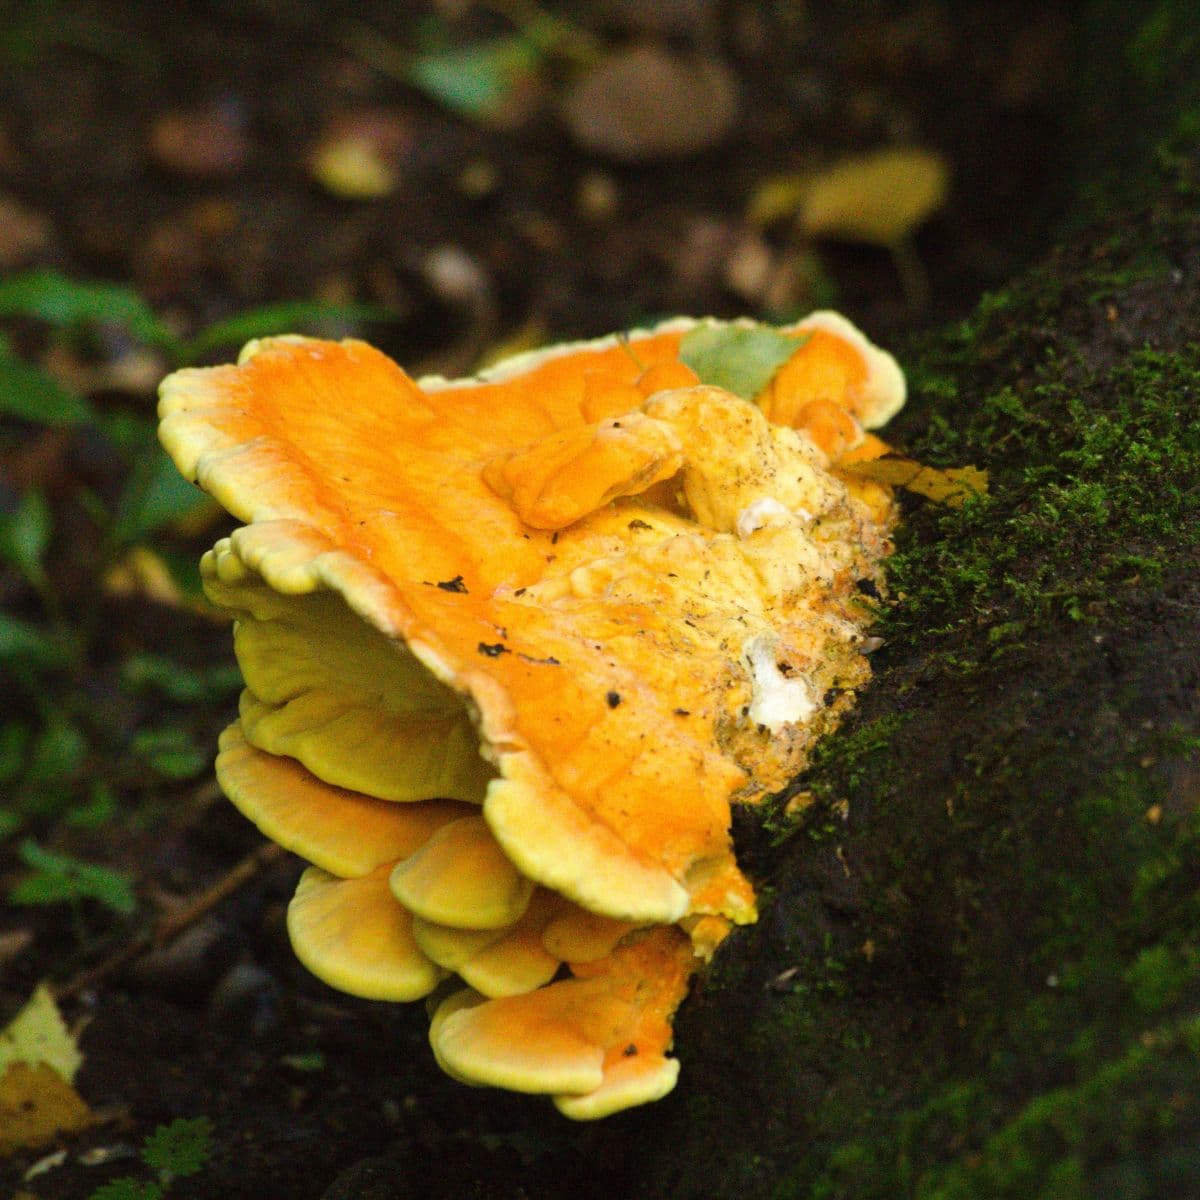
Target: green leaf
43,887
740,358
19,639
53,297
171,752
155,673
155,495
32,395
180,1148
476,80
272,319
24,535
59,751
100,808
59,878
127,1188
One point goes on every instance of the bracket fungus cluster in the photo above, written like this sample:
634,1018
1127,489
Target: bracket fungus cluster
513,645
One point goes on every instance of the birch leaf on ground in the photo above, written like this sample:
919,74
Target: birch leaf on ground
36,1103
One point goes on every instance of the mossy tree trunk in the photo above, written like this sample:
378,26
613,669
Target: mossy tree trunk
977,969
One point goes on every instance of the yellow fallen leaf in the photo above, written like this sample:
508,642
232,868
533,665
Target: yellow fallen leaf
36,1103
950,486
39,1035
777,197
878,198
352,168
38,1060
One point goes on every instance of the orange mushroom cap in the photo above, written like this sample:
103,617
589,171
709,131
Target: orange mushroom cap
597,1042
351,934
593,591
517,961
461,878
346,833
565,645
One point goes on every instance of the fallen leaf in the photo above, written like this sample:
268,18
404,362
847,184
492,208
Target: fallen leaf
739,358
360,155
206,143
949,486
648,102
38,1060
778,196
878,198
493,82
36,1103
353,169
39,1035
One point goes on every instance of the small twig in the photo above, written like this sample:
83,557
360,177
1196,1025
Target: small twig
171,924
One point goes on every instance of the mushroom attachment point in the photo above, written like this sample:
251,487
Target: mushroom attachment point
513,645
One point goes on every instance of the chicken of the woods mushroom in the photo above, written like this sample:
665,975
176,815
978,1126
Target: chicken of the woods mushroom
514,644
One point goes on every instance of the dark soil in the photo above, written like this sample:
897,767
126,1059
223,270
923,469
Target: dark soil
314,1094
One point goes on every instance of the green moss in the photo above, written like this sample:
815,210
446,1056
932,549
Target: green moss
859,749
1062,1138
1081,496
1160,975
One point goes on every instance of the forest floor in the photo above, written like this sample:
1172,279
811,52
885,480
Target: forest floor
212,162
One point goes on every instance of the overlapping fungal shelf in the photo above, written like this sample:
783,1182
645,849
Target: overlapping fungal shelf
512,647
